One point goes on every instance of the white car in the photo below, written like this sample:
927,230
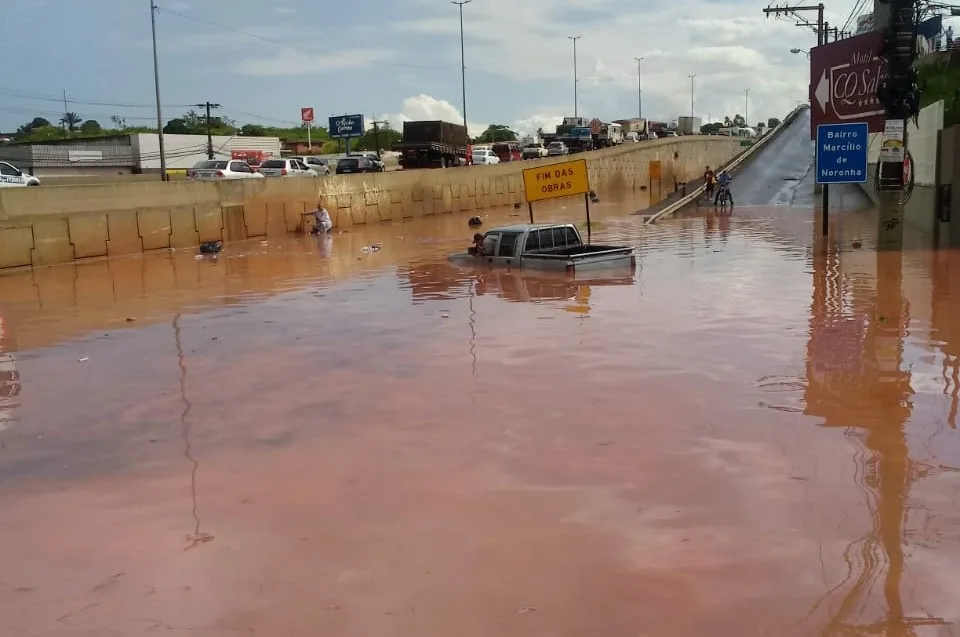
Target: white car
484,157
219,169
557,148
321,166
11,176
289,167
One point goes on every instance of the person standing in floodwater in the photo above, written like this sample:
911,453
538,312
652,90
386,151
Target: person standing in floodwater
322,223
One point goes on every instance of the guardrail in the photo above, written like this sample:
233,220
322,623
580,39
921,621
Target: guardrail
733,164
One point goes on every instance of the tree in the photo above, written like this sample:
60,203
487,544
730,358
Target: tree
497,133
119,122
773,122
253,130
387,138
739,121
178,126
727,122
70,121
32,125
91,127
42,133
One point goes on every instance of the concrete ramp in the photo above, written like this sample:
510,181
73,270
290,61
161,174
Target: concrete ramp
782,174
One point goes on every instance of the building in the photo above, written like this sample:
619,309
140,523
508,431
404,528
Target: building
184,151
128,154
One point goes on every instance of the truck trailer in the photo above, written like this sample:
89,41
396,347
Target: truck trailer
687,125
432,144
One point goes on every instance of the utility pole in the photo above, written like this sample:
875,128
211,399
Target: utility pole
692,77
746,106
208,106
376,134
639,89
792,11
898,93
463,75
156,86
574,38
66,109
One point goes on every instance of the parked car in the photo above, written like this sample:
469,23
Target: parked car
484,157
322,166
217,169
372,157
288,167
352,164
557,148
11,177
534,151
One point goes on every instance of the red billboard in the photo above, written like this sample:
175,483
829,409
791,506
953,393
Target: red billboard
306,114
843,82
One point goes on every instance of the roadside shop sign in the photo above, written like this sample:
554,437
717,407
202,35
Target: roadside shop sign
306,115
346,126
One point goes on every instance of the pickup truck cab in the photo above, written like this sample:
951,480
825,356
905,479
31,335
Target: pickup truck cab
546,246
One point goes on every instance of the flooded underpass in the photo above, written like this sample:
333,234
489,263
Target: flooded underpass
753,433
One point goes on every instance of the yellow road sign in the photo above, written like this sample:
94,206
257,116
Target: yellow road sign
556,180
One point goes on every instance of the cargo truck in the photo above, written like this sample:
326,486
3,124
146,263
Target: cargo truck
687,125
432,144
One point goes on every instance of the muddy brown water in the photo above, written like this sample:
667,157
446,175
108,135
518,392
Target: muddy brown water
751,434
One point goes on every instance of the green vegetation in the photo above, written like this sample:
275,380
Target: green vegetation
773,122
496,133
939,79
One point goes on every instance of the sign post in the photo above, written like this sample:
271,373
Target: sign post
841,159
306,115
553,181
346,127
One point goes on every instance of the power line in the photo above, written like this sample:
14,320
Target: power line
40,97
297,47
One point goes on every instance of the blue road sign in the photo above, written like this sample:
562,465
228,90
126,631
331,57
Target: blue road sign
842,153
345,126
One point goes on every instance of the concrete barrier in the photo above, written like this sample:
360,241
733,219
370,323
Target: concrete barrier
733,164
59,224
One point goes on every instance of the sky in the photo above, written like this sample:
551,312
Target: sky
394,60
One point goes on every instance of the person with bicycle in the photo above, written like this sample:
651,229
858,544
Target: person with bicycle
723,180
710,180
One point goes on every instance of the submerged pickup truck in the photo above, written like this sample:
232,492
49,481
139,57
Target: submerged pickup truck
545,246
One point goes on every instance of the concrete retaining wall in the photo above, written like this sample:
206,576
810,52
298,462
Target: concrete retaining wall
59,224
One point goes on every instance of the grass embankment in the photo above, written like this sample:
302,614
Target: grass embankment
939,79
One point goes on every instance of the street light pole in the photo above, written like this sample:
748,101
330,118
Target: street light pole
156,84
639,90
463,68
746,106
574,38
692,77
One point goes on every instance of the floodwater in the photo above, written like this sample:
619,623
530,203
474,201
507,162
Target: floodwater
752,434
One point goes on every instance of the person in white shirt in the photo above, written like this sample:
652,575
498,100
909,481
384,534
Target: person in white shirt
322,222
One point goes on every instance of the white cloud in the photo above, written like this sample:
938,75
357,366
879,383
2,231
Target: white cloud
729,45
285,10
294,62
425,107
